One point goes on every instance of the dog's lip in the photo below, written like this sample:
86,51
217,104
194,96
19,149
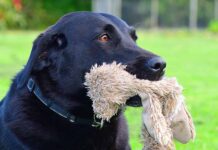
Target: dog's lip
160,76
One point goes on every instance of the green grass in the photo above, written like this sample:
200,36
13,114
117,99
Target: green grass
191,57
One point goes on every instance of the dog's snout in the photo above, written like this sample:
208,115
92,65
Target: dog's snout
155,64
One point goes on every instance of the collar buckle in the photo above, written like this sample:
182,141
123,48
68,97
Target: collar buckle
31,84
97,123
71,118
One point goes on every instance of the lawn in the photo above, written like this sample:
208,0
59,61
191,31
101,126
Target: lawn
191,57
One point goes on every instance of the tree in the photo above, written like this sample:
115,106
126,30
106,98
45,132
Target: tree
107,6
154,13
193,14
216,9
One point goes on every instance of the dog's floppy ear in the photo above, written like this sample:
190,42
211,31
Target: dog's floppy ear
38,59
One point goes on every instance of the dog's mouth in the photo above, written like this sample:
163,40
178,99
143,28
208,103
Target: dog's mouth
135,101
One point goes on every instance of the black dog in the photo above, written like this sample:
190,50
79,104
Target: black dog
47,107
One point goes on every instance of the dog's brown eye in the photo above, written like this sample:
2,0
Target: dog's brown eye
104,38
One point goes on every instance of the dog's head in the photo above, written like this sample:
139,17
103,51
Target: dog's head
68,49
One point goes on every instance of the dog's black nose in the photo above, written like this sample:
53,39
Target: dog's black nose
155,64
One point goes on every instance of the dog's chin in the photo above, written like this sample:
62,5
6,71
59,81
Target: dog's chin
135,101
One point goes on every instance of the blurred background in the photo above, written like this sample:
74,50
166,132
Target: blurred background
184,32
29,14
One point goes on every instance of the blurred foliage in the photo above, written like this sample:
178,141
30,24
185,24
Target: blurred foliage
42,13
171,13
11,17
213,26
205,12
30,14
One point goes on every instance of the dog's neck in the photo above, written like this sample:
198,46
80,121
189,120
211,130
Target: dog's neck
34,116
78,104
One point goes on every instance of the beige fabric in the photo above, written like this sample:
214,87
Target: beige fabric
109,86
182,126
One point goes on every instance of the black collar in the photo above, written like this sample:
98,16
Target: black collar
52,105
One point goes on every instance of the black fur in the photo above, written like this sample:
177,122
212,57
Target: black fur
59,59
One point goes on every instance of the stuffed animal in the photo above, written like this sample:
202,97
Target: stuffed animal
164,113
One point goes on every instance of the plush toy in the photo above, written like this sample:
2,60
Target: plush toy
164,113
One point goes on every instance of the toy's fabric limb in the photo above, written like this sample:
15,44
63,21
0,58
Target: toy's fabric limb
182,125
151,144
154,121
